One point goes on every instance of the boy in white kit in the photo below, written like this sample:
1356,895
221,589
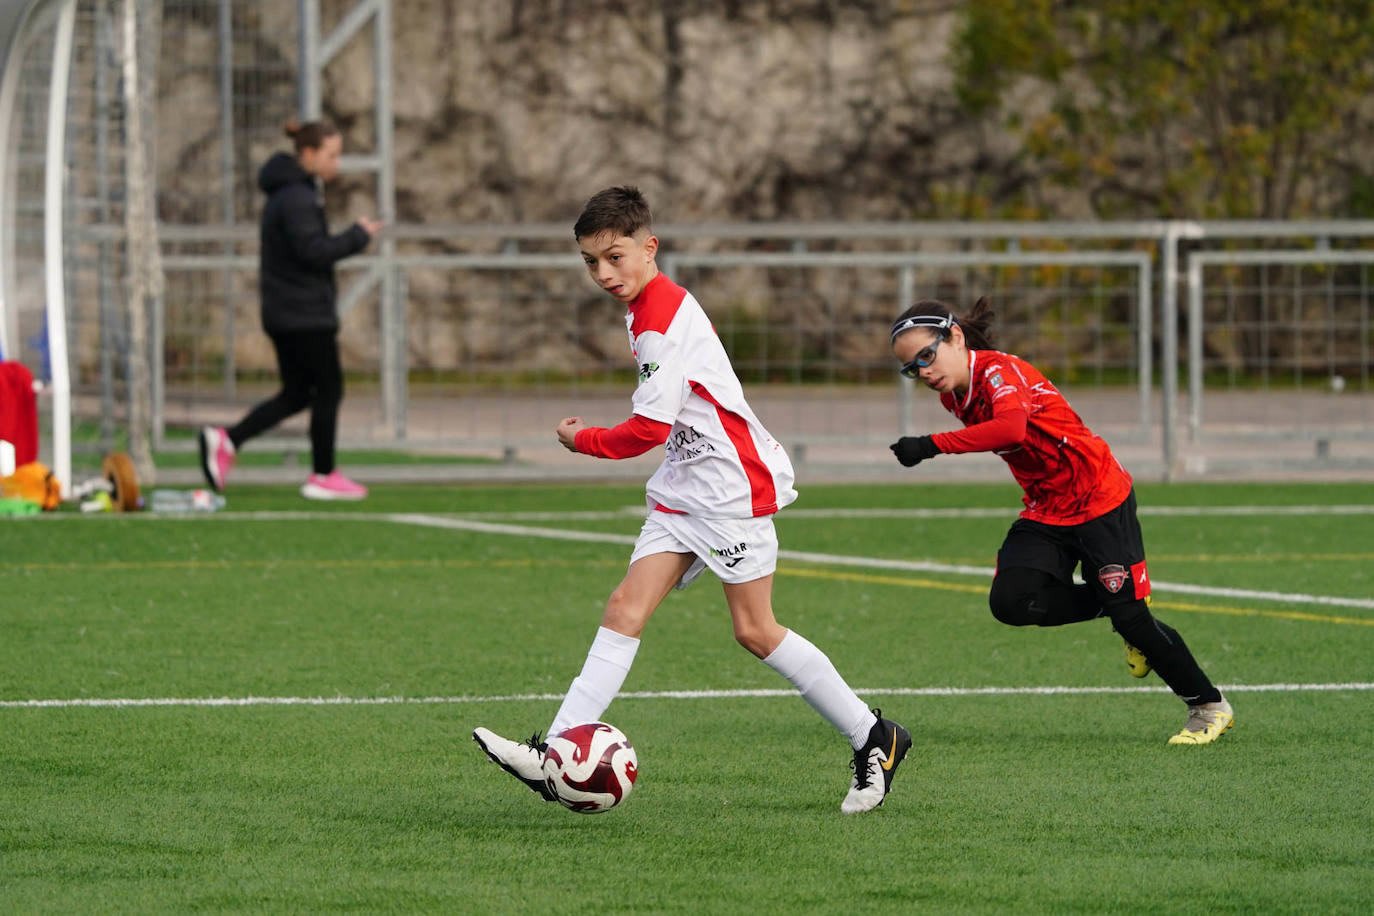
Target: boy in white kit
711,504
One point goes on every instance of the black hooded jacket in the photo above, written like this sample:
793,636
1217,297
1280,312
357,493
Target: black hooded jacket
296,275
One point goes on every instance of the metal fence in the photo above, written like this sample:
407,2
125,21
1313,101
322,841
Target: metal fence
1194,347
481,352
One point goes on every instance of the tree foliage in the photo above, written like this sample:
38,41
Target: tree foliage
1211,108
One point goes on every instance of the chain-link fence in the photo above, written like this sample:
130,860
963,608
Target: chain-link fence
1195,347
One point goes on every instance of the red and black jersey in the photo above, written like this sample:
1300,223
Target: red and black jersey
1068,472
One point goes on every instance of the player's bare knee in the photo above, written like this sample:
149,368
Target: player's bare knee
759,640
747,635
624,615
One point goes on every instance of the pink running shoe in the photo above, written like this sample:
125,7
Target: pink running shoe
216,455
332,486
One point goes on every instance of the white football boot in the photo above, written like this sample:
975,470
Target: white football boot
875,764
522,759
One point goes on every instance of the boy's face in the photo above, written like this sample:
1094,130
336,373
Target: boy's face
622,265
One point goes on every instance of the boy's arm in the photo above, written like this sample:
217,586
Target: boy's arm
634,437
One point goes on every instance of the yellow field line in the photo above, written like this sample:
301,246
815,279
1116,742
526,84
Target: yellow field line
1261,557
883,580
1155,605
833,575
1184,558
1256,612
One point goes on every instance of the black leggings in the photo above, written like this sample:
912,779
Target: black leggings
1022,596
311,376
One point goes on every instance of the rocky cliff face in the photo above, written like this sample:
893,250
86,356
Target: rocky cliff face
720,110
518,111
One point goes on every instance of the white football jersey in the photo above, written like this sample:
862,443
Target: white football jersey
720,462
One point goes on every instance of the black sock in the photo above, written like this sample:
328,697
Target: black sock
1166,652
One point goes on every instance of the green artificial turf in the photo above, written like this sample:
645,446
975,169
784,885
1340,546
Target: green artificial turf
1009,801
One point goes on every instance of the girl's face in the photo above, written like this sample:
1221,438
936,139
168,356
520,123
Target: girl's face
941,364
323,161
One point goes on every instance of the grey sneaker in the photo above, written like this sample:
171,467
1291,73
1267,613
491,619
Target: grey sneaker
522,759
875,764
1206,723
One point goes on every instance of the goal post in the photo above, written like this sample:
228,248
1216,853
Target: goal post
32,291
79,253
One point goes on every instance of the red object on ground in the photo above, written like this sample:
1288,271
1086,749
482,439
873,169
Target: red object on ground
18,411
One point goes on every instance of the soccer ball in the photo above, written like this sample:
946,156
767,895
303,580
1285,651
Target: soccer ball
590,768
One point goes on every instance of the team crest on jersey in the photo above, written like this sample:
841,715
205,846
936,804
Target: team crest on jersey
1112,577
996,380
646,370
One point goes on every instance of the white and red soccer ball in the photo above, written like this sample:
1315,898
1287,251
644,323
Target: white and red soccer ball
591,767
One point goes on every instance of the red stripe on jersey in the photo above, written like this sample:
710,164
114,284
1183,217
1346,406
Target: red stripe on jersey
763,495
656,306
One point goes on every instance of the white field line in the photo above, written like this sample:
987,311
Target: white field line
129,702
637,511
563,534
1009,513
434,521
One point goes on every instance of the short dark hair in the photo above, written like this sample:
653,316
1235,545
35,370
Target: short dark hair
310,135
622,210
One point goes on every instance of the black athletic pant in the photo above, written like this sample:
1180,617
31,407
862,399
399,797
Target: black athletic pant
1034,586
311,376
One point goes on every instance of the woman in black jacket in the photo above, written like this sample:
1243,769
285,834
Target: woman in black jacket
296,281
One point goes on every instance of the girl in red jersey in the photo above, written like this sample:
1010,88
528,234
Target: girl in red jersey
1080,505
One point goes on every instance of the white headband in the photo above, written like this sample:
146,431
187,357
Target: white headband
923,321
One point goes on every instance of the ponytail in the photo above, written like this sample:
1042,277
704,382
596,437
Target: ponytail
975,325
310,135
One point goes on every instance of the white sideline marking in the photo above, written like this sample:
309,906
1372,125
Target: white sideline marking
831,559
638,511
563,534
1011,512
647,695
1008,513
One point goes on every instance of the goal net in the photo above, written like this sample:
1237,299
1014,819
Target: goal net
79,264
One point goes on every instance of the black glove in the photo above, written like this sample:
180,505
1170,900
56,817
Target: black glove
912,450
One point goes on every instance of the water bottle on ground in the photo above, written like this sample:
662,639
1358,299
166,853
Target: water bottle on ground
185,501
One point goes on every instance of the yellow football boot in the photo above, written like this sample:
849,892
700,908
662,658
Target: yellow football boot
1136,661
1206,723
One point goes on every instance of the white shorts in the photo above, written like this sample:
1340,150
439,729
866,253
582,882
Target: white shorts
736,549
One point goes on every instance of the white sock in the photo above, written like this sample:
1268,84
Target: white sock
608,662
810,671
